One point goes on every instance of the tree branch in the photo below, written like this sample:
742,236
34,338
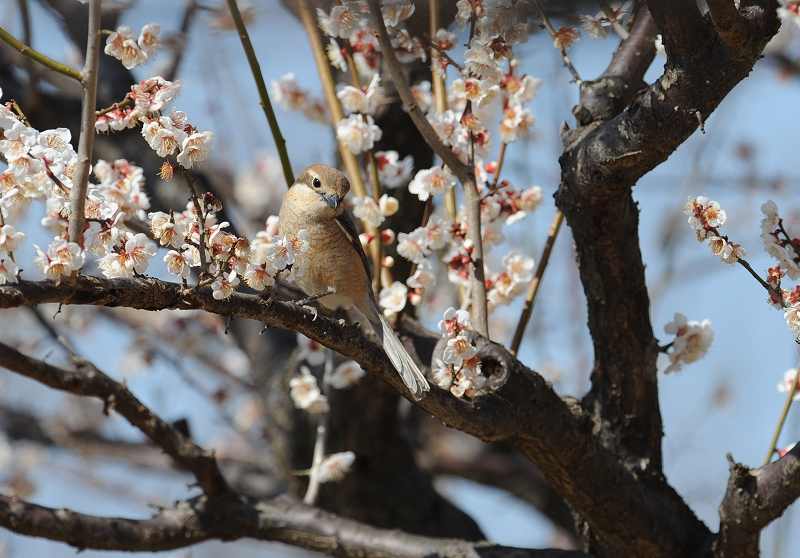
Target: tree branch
255,68
42,59
465,173
77,195
279,520
754,498
731,26
87,380
524,410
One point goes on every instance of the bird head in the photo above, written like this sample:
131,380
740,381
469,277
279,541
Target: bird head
323,188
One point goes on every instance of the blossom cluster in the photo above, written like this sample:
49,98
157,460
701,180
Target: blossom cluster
783,245
458,368
705,217
166,135
789,10
289,95
122,46
691,343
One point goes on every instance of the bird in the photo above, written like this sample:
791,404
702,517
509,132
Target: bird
336,261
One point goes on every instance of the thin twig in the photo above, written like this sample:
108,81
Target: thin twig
77,196
312,491
533,288
463,172
553,33
501,159
201,220
255,68
439,93
787,404
124,103
33,54
610,14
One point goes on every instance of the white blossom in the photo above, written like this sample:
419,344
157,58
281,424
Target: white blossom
194,149
432,181
787,385
224,285
393,298
310,351
9,238
392,170
336,466
345,375
357,133
148,39
365,102
457,350
177,263
366,209
306,394
692,340
60,260
121,45
8,271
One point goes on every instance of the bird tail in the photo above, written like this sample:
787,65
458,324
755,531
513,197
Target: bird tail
409,372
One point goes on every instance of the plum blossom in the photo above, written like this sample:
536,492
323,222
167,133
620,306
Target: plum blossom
365,102
388,205
194,149
167,230
9,238
790,11
121,45
692,340
131,255
178,263
392,170
458,349
153,94
413,246
787,385
8,271
432,181
336,466
366,209
345,375
305,393
310,351
393,298
454,321
224,285
148,39
60,260
358,133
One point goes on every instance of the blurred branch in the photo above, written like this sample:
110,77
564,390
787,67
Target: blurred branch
88,380
464,173
263,95
533,287
77,195
554,34
278,520
42,59
182,38
754,498
329,89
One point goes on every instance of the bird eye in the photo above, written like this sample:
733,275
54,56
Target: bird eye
316,183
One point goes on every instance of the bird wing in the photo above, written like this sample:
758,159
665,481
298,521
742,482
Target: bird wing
345,222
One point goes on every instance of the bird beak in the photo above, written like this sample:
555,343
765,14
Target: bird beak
332,200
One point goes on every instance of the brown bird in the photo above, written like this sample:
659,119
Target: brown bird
335,259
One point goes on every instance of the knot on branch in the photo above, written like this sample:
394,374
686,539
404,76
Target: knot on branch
604,98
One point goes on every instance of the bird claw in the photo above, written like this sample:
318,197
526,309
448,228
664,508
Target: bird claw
312,310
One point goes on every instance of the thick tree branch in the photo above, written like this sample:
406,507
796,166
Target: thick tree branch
279,520
524,410
681,26
754,498
465,173
87,380
731,26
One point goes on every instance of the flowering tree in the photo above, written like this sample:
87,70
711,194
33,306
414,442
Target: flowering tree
422,130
